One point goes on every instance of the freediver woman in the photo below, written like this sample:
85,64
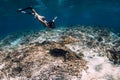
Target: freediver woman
32,11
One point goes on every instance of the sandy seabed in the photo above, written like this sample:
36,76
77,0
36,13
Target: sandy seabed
71,53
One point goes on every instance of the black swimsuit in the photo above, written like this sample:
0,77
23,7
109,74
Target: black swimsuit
51,24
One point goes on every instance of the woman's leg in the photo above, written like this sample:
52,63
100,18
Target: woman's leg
54,19
28,10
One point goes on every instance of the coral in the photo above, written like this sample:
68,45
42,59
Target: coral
58,52
74,53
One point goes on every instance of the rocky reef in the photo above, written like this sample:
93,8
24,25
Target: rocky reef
71,53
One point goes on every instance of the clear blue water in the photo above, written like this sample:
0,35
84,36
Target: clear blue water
70,12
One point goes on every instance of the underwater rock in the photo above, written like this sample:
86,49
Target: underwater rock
58,52
103,33
80,55
16,70
100,39
114,56
116,42
98,67
45,42
68,39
